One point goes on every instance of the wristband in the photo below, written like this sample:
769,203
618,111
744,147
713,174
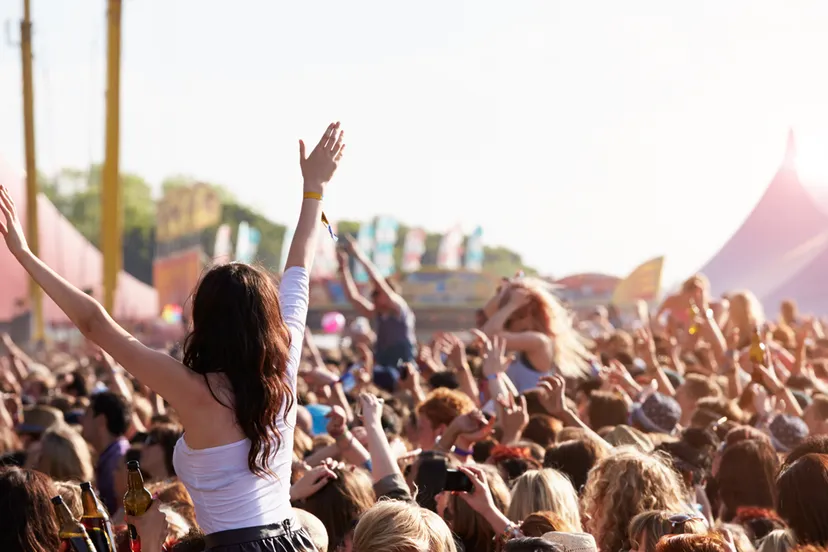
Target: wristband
318,197
460,452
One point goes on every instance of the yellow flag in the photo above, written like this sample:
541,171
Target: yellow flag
643,283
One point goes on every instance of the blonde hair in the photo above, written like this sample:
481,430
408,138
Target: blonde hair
745,313
655,524
64,455
71,495
570,353
396,526
622,486
545,490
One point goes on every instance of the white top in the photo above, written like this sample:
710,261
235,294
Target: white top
225,493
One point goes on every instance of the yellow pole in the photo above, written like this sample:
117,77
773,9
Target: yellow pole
111,191
32,235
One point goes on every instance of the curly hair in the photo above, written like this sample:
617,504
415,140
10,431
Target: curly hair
622,486
443,405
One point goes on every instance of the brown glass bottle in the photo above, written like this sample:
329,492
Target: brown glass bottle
137,501
73,536
96,520
756,353
695,312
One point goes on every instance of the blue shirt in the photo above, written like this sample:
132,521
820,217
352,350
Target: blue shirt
108,462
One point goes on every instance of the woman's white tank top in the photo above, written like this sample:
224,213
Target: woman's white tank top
226,495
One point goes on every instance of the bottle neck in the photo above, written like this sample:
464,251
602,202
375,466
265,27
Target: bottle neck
135,480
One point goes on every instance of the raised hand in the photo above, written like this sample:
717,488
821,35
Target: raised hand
371,409
553,398
319,167
513,416
313,480
10,225
496,362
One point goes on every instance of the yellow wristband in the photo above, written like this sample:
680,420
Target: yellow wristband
313,195
318,197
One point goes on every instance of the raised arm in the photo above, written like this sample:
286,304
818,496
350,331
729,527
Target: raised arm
364,306
163,374
374,274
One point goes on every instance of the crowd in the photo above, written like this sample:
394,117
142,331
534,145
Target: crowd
698,427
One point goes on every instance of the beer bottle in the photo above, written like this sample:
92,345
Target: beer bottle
96,520
73,536
137,501
694,318
756,353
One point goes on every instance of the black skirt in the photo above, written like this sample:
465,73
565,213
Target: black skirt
278,537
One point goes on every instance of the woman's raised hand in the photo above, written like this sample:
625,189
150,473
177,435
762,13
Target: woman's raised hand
10,225
319,167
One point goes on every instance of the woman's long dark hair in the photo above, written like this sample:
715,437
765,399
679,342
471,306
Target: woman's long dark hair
238,331
27,519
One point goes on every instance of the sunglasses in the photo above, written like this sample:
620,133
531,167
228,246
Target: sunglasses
677,521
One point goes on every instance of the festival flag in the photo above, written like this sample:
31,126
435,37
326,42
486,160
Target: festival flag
413,250
474,250
325,265
222,248
385,239
365,241
450,252
247,243
288,239
642,284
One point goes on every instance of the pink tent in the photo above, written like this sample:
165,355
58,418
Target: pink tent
781,250
71,255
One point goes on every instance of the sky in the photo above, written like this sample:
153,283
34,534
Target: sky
588,136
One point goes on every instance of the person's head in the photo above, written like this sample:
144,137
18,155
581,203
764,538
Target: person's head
382,301
396,526
606,408
340,503
107,418
622,486
692,543
695,387
238,331
62,454
27,519
437,412
537,524
574,459
71,495
814,444
647,528
695,285
803,498
789,312
745,476
745,313
545,490
545,314
816,416
157,454
542,429
314,527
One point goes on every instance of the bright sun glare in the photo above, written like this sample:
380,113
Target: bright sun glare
812,159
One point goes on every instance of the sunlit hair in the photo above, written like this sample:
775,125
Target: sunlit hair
788,312
622,486
396,526
570,354
692,543
803,498
443,405
27,520
71,495
470,526
746,313
545,490
341,502
654,524
696,282
64,455
779,540
238,331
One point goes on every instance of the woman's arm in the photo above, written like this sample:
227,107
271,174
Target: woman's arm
360,303
374,274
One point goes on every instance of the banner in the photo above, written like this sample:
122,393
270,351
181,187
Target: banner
247,243
187,210
385,239
474,250
582,292
643,284
175,276
413,250
365,241
448,288
223,248
449,253
325,264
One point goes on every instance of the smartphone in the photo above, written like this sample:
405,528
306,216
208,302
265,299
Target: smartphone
348,381
458,481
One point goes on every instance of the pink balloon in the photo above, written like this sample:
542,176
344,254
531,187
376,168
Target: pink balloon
333,322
